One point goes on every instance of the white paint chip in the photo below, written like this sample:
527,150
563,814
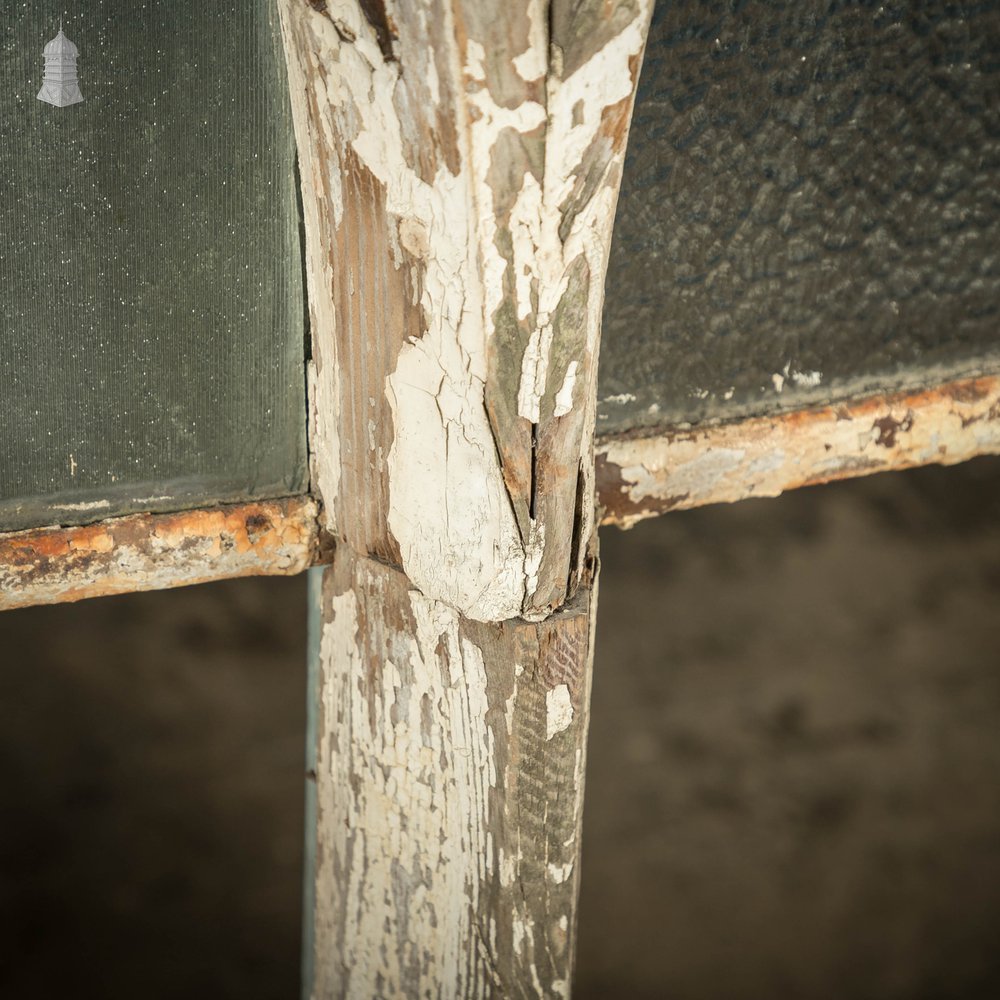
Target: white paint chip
558,710
564,397
804,380
559,873
91,505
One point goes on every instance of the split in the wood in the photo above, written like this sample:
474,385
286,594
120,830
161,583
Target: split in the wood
460,173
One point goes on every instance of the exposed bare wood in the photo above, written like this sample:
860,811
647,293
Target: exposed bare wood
641,477
156,551
460,163
449,790
460,171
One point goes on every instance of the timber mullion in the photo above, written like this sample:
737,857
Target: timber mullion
459,173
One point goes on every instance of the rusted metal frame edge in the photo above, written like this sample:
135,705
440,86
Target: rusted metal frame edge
676,469
156,551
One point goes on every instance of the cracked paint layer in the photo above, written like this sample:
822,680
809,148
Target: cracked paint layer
558,710
460,184
443,856
460,163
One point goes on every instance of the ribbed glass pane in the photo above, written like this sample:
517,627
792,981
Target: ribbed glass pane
151,300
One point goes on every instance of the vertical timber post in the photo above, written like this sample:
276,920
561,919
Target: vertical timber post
460,163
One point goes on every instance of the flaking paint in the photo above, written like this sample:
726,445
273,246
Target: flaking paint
640,477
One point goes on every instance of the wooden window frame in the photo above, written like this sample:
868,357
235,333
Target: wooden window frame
456,485
638,474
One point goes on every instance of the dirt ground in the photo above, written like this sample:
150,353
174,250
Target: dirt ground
793,789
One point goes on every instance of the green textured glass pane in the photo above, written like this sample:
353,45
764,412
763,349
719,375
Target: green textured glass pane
809,208
151,300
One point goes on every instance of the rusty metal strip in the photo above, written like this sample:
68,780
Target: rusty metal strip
155,551
639,477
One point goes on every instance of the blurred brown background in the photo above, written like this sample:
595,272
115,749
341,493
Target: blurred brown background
793,787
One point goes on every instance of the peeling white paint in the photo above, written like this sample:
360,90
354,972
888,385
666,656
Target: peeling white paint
324,416
89,505
535,980
564,397
468,553
575,109
765,456
407,768
152,552
526,212
803,380
534,371
532,63
448,507
695,476
559,873
322,193
428,808
806,380
508,868
387,831
558,710
521,931
762,464
475,56
533,553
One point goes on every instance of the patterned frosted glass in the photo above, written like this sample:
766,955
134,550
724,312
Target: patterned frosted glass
809,207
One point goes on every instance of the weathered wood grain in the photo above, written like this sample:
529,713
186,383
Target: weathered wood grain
157,551
449,767
642,476
460,166
460,163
